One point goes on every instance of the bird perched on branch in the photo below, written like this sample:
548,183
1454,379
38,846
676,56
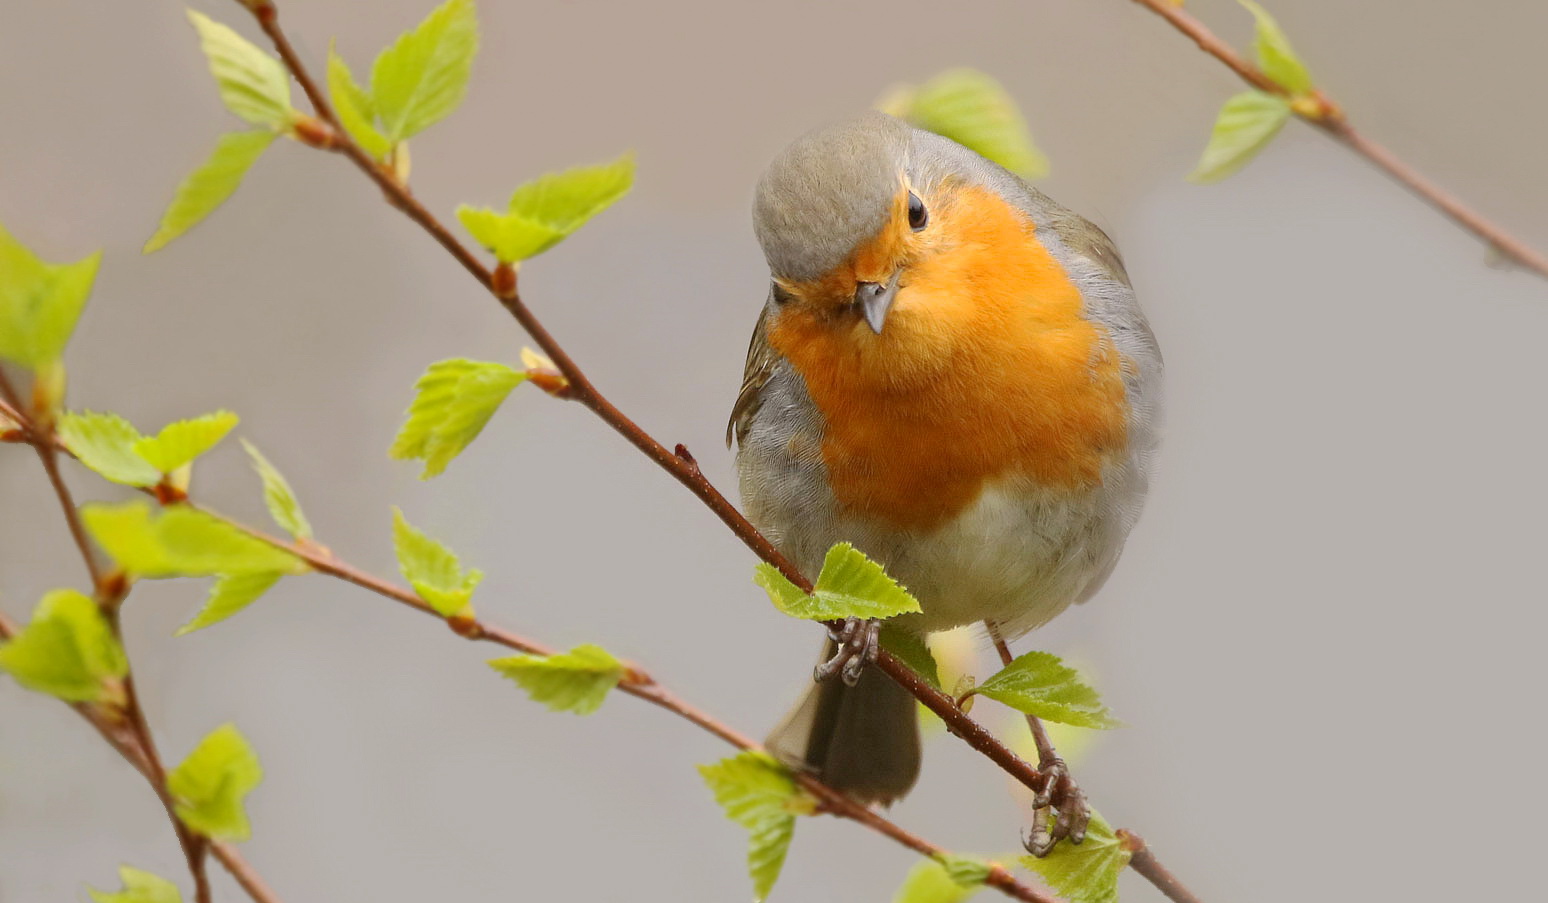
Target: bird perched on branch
951,373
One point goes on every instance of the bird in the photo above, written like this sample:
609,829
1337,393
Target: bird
950,372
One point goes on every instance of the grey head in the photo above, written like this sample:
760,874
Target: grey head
828,192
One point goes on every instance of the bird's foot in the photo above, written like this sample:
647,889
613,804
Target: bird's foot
1059,810
859,642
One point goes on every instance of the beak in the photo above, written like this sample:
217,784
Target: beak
874,300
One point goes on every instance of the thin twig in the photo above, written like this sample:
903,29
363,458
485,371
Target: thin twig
1144,861
636,682
1329,117
125,743
193,845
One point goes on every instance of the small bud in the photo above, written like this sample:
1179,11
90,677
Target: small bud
544,374
963,692
313,132
465,626
398,163
113,588
168,493
503,282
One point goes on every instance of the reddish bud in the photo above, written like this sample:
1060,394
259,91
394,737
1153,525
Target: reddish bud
465,626
503,281
314,132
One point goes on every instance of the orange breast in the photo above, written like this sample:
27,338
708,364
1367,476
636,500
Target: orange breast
985,371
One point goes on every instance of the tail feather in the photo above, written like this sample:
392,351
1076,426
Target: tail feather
861,740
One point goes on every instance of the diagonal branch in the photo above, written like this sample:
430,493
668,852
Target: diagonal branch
126,744
636,682
1329,117
678,463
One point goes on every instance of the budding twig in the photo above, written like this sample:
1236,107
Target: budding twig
1339,128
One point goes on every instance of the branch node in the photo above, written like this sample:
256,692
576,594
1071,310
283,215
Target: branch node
503,281
465,626
313,132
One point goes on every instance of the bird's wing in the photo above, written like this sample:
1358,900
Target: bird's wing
1088,240
761,359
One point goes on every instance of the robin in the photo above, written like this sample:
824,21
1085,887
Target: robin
951,373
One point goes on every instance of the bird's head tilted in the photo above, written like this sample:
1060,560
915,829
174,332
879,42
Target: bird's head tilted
839,219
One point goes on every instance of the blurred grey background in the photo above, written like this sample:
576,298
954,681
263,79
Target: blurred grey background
1324,635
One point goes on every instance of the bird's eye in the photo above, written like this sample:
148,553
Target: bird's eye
917,214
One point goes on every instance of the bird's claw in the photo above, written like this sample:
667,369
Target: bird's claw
859,642
1059,810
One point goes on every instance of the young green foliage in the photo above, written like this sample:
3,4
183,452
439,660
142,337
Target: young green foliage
973,109
253,84
39,302
139,887
758,793
1038,683
229,594
912,649
1247,123
1276,57
545,211
181,542
1087,872
453,401
850,586
181,441
105,443
575,681
209,786
356,109
208,186
278,496
944,879
67,650
433,570
423,76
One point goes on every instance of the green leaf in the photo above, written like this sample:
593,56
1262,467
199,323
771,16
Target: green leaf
252,84
1276,57
423,76
1039,683
433,569
947,879
912,649
209,787
452,402
181,542
105,444
208,186
180,442
277,494
1247,123
230,594
139,887
356,109
850,586
974,110
1087,873
39,302
575,681
758,793
545,211
67,650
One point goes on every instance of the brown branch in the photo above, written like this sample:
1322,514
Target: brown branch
680,466
125,742
1144,861
1329,117
636,682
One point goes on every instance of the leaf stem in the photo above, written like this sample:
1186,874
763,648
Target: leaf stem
1328,117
